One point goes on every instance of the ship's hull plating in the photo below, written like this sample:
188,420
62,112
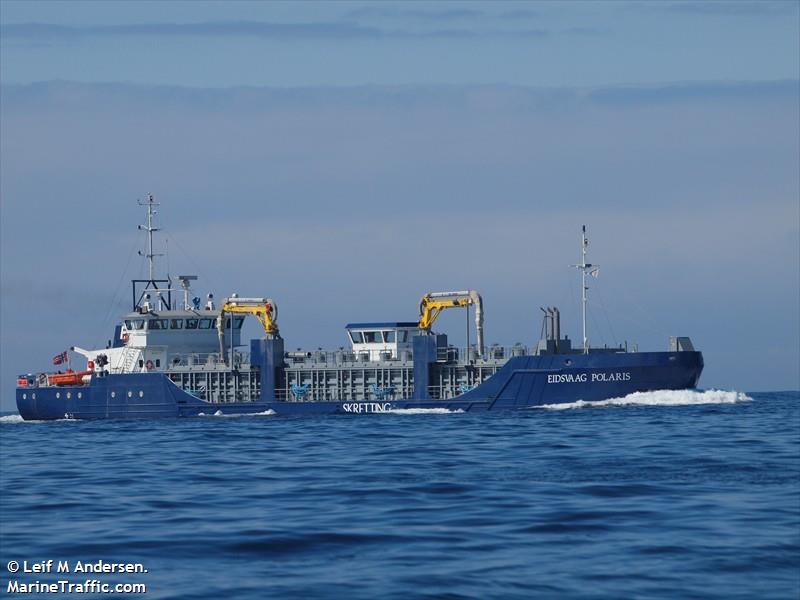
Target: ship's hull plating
523,382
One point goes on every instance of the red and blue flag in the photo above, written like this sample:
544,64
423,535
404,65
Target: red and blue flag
60,358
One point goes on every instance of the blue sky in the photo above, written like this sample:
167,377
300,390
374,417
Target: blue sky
345,158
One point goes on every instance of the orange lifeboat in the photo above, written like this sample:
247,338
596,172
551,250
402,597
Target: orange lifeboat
69,378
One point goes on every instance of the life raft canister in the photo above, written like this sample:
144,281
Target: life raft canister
149,365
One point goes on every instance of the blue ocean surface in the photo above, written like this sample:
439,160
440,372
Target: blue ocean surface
663,495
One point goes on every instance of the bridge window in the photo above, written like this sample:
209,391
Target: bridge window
237,322
128,324
138,324
176,324
206,323
373,337
389,336
357,337
191,323
157,324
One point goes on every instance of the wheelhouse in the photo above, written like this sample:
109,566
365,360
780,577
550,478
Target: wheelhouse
378,341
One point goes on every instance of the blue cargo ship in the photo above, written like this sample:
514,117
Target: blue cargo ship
175,356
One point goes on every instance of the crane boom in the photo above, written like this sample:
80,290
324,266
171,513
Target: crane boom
433,303
263,309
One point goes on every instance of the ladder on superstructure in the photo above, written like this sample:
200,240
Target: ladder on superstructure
129,356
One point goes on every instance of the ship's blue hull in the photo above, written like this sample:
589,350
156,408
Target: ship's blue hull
523,382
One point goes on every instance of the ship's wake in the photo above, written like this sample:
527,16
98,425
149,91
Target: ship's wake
11,419
219,413
660,398
423,411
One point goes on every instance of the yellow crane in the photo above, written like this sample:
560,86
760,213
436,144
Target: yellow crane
263,309
433,303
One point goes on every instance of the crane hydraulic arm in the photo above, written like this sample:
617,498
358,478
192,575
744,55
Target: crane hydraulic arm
433,303
263,309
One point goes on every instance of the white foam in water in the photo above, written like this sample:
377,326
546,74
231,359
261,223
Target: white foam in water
219,413
660,398
19,419
12,419
423,411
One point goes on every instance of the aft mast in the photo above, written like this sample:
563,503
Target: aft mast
592,270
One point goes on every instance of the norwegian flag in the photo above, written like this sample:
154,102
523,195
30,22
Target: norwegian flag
60,358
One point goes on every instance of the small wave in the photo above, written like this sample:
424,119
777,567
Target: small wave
423,411
18,419
12,419
660,398
219,413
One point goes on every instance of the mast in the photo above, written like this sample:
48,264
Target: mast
142,286
150,203
592,270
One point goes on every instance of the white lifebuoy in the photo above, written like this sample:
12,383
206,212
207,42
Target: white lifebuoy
149,365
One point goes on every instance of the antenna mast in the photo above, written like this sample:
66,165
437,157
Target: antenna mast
150,203
592,270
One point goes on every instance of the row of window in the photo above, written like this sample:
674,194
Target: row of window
380,337
161,324
58,395
69,395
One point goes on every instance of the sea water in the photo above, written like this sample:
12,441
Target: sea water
657,495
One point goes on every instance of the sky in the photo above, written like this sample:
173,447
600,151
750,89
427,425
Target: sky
345,158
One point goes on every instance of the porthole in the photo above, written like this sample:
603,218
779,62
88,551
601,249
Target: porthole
113,394
141,394
69,394
79,394
130,393
568,361
24,396
58,394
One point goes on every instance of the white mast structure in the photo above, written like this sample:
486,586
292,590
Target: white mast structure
150,203
592,270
